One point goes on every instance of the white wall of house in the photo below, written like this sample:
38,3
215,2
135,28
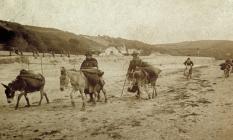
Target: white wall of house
130,51
111,51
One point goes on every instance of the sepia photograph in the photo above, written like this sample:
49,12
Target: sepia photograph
116,69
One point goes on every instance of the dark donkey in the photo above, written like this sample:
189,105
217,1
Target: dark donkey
25,82
141,78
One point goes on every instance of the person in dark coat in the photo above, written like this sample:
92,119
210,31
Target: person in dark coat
138,63
188,62
91,70
228,64
89,62
229,61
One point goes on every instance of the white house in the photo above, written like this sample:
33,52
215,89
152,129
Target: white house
111,51
130,51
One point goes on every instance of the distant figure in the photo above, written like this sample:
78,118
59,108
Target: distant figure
228,61
21,52
17,51
226,67
188,62
188,68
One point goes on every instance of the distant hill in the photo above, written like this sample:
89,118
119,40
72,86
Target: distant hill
220,49
29,38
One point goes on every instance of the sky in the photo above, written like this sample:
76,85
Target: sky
150,21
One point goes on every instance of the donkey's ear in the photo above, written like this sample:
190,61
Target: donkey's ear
4,85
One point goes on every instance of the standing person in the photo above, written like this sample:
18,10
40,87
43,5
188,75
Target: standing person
136,62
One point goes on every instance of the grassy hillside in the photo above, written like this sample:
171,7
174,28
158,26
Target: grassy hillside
220,49
29,38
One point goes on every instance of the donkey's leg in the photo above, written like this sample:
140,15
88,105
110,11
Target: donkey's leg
46,97
94,93
139,91
19,97
98,96
41,96
26,98
97,89
154,91
45,94
153,88
87,93
71,98
94,97
91,97
105,94
148,93
83,99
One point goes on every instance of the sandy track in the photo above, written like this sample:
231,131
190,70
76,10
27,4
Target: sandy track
200,108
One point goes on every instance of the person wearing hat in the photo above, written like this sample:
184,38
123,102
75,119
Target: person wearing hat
91,70
89,62
188,62
228,61
134,63
137,62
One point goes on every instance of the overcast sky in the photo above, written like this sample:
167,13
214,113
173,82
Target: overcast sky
151,21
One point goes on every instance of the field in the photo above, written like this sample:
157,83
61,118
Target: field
196,109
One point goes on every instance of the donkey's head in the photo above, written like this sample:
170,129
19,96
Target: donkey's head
139,76
136,80
9,92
